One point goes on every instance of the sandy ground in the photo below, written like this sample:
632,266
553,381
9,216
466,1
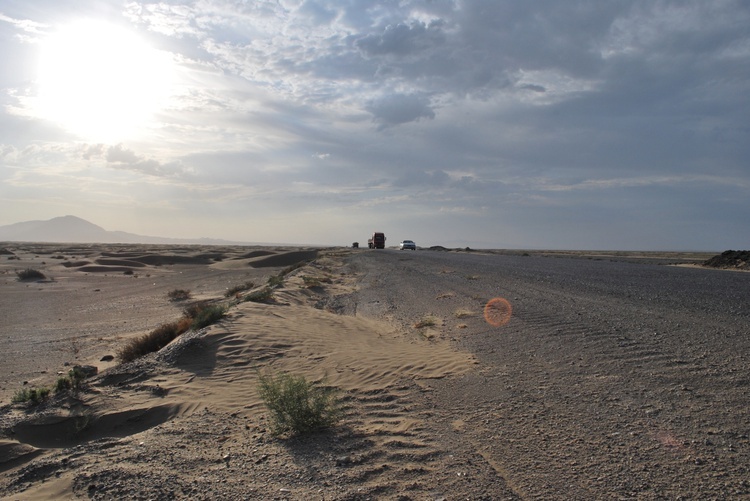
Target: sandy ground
192,411
188,423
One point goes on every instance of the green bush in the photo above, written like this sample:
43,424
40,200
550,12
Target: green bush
63,383
30,274
209,314
70,382
33,395
298,406
276,280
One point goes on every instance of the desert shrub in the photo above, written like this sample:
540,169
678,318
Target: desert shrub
151,342
63,383
209,314
70,382
30,274
428,321
260,296
233,291
178,295
193,309
316,281
298,406
276,280
311,281
33,395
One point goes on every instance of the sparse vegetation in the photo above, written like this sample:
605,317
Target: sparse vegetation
233,291
428,321
209,314
195,316
472,277
276,280
260,296
463,313
315,281
70,382
30,274
33,395
295,266
298,406
178,295
151,342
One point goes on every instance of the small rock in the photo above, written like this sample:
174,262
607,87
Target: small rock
107,358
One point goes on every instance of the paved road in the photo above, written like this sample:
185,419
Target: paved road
612,379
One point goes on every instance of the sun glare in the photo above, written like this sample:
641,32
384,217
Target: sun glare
101,81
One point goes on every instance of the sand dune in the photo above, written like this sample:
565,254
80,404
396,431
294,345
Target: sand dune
216,370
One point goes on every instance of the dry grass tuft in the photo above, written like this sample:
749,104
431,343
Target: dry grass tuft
178,295
30,274
463,313
195,317
428,321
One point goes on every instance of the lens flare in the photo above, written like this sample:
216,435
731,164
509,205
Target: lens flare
497,311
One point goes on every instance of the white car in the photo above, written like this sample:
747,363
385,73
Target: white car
407,244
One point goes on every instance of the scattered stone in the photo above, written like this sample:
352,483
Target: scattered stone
107,358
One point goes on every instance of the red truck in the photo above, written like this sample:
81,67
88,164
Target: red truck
377,241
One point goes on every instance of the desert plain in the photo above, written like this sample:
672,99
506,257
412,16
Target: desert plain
616,375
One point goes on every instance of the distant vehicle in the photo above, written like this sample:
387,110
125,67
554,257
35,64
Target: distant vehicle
355,245
377,241
407,244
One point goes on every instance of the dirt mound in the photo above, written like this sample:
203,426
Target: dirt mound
730,259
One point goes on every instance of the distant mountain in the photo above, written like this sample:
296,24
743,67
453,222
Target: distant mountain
72,229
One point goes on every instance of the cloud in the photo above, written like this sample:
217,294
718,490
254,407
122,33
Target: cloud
396,109
402,39
119,157
28,30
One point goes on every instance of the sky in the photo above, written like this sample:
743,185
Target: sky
612,125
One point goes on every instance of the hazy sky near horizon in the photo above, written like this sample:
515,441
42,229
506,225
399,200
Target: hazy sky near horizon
490,123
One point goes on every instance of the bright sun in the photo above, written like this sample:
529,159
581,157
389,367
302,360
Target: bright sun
101,81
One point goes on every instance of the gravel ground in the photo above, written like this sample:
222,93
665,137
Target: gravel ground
612,379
